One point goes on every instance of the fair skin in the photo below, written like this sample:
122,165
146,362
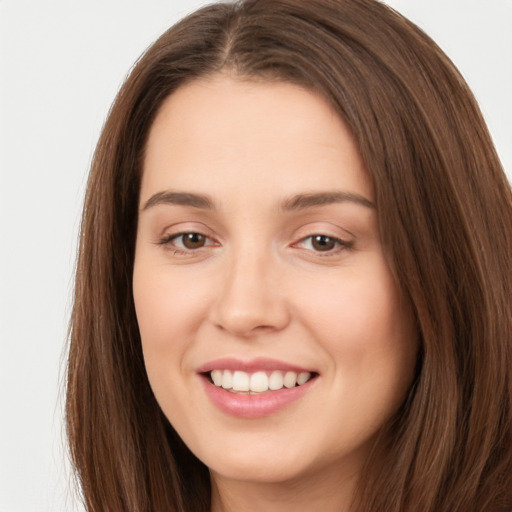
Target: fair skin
258,251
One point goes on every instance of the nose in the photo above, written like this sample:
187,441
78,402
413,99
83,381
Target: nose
251,300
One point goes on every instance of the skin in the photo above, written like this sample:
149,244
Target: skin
260,287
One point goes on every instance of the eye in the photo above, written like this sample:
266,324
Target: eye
192,240
187,241
323,243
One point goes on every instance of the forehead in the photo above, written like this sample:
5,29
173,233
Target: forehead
210,133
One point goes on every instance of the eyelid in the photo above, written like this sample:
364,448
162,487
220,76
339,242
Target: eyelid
325,229
176,236
304,234
174,231
165,239
341,244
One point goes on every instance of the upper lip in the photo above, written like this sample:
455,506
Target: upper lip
251,366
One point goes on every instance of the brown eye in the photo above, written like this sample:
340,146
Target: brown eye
193,240
323,243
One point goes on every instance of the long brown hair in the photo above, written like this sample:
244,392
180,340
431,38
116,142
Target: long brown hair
445,213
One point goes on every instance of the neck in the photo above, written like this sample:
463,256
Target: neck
325,492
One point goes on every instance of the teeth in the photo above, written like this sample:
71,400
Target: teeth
227,380
217,377
290,379
258,382
241,381
275,381
303,377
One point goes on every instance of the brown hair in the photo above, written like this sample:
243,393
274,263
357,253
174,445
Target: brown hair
445,213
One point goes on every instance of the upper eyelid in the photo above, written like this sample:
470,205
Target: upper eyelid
182,228
178,248
323,227
339,240
333,237
335,232
300,235
171,236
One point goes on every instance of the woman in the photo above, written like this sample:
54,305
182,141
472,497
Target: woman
294,274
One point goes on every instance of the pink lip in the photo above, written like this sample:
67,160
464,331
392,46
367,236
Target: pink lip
252,406
254,365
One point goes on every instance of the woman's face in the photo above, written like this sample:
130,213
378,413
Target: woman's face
275,338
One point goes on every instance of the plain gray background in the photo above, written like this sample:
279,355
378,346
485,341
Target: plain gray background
61,63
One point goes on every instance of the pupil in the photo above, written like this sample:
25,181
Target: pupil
323,243
193,240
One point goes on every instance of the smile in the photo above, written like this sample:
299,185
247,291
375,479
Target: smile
257,388
258,382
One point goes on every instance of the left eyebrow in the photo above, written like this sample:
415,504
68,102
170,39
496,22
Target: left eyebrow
179,198
304,201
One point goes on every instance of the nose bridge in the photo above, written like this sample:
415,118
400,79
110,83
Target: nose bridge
249,299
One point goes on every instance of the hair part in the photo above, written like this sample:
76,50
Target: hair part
445,214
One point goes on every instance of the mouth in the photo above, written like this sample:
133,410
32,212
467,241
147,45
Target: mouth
256,388
258,382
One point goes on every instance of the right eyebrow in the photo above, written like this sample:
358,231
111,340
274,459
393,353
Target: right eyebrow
304,201
179,198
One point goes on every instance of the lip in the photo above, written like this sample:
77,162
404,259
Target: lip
254,365
257,405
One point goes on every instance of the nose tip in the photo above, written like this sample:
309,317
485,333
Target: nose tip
243,325
250,302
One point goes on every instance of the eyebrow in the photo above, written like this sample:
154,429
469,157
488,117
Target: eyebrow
179,198
297,202
304,201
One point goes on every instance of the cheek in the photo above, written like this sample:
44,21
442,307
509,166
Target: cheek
357,305
166,312
167,304
365,326
171,305
158,309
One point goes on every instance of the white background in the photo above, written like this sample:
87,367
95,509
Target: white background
61,63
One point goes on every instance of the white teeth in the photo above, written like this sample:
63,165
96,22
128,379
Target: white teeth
227,379
303,377
290,379
258,382
240,381
217,377
275,381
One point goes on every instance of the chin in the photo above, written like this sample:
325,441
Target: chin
266,471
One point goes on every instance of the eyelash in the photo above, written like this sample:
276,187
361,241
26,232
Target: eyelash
340,244
168,242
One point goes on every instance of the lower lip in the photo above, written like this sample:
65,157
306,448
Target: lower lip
254,406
